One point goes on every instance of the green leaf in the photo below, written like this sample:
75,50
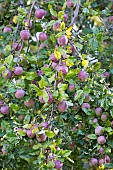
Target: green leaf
30,75
51,164
97,66
42,83
108,165
66,153
2,68
49,134
92,136
21,133
9,59
39,92
62,87
55,94
27,119
52,11
108,129
75,1
45,96
79,93
35,147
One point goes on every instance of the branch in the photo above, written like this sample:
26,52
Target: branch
31,11
75,13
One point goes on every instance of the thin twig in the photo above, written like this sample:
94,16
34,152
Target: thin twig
75,13
31,11
15,34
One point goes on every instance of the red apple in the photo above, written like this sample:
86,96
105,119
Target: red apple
24,34
40,13
107,159
106,74
93,162
50,98
87,98
7,29
53,58
16,46
71,87
101,140
4,110
72,48
18,71
30,134
45,124
54,65
7,74
65,17
42,36
56,26
69,4
111,19
41,138
29,103
62,106
41,99
98,111
64,69
82,75
85,105
19,93
58,164
98,130
95,120
101,161
101,150
63,40
104,117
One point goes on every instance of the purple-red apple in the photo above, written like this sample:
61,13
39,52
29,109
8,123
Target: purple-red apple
63,40
4,110
98,111
62,106
29,103
7,29
41,138
63,69
30,134
101,140
101,161
101,150
16,46
71,87
98,130
106,74
85,105
19,93
42,36
56,26
18,71
104,117
40,13
93,162
53,58
7,74
69,4
58,164
82,75
24,34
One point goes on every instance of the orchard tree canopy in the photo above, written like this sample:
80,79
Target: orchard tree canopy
56,84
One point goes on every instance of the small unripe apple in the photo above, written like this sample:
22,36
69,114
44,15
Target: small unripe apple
18,71
101,150
41,99
4,110
71,87
104,117
101,140
106,74
69,4
29,103
16,46
40,13
7,73
65,17
62,106
30,134
93,162
41,138
95,120
42,36
56,26
87,98
98,111
98,130
107,159
24,34
28,23
85,105
63,40
101,161
64,69
19,93
7,29
82,75
58,164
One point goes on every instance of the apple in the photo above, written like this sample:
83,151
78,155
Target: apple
7,29
40,13
53,58
98,111
101,150
82,75
30,134
24,34
69,4
29,103
72,48
18,71
72,145
50,98
104,117
41,138
98,130
75,106
106,74
58,164
41,99
45,125
101,161
63,40
62,106
21,117
101,140
64,69
85,105
87,98
16,46
4,110
65,17
56,26
93,162
111,19
54,65
19,93
107,159
95,120
40,72
71,87
7,74
42,36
